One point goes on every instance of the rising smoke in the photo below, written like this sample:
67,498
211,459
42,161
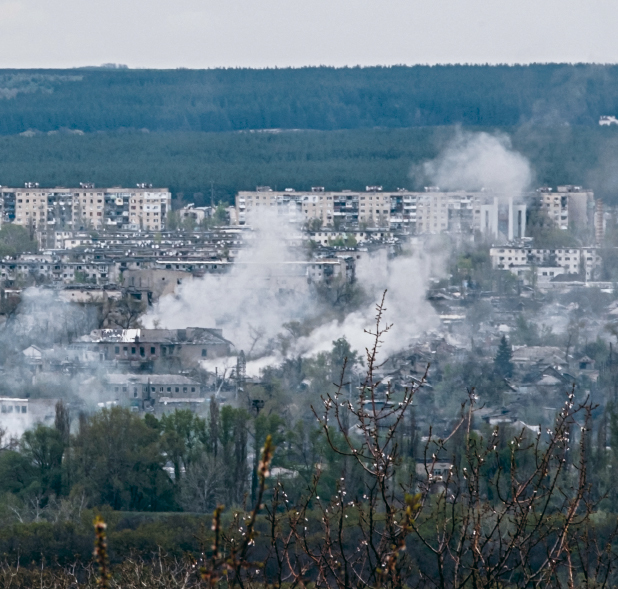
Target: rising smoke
251,301
476,161
251,306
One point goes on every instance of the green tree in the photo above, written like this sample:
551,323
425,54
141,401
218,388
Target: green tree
502,362
173,220
119,461
44,447
183,438
220,217
17,472
314,224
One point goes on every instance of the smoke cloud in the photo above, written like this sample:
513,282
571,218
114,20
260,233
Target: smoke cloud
251,303
405,280
475,161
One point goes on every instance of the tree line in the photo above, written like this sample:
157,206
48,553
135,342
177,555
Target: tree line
205,167
305,98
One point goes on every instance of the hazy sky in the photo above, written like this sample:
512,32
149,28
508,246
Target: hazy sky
261,33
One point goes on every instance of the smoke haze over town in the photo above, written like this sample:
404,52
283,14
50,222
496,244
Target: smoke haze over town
268,323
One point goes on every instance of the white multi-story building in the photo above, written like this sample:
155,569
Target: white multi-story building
583,262
569,207
429,212
84,207
372,207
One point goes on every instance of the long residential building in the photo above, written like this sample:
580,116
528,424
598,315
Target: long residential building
46,210
432,211
583,262
347,207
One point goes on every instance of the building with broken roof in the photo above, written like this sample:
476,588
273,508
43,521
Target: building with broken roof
180,347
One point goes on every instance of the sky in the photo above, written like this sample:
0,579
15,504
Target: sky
284,33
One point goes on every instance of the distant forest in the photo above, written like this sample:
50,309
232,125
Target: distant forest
306,98
188,162
233,129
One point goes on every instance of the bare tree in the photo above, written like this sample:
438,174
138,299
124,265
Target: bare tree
202,487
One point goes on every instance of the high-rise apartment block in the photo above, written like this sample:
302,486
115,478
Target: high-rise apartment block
569,207
83,207
429,212
331,208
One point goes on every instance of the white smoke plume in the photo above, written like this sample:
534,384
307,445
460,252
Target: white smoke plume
475,161
251,302
247,304
405,280
44,319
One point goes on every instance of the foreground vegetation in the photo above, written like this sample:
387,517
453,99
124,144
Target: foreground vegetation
358,501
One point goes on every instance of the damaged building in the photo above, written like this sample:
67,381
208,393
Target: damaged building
155,392
179,347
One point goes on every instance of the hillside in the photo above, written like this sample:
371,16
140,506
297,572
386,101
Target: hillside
307,98
188,162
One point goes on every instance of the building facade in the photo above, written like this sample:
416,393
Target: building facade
429,212
569,207
583,262
46,210
332,208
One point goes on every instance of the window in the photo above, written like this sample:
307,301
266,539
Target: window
133,349
142,351
204,352
116,389
135,392
193,390
176,389
117,350
24,409
169,390
124,389
152,350
184,390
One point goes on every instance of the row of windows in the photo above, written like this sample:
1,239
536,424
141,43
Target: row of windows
153,350
18,409
176,388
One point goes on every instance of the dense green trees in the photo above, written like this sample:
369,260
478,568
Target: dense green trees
188,162
119,460
306,98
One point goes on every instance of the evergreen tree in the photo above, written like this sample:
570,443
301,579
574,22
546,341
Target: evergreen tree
502,362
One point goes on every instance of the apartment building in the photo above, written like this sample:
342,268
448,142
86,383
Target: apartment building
188,346
51,269
326,237
429,212
46,210
146,391
569,206
584,262
371,207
